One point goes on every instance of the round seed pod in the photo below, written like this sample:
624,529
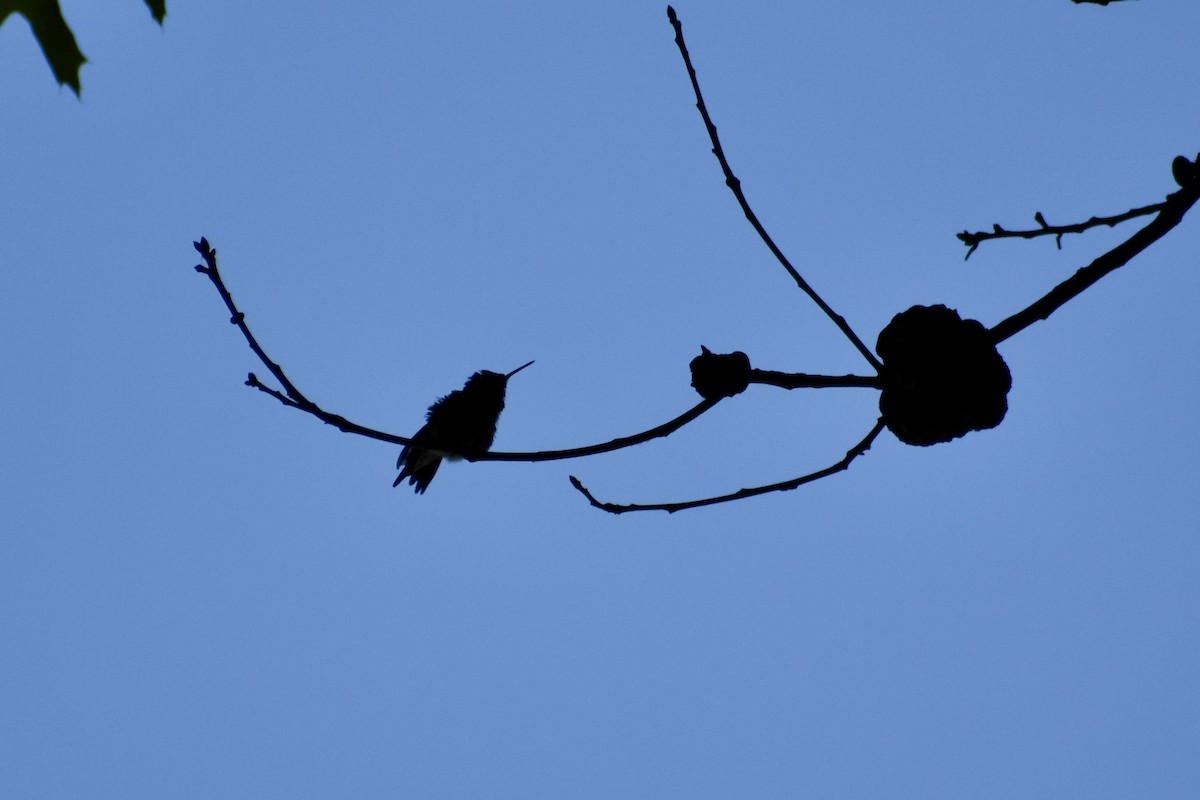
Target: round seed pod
942,376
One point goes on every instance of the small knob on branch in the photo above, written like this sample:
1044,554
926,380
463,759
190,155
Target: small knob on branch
715,375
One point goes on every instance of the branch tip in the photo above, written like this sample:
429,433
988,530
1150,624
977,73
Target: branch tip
1044,228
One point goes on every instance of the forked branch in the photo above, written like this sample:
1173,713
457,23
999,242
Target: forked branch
1169,213
292,396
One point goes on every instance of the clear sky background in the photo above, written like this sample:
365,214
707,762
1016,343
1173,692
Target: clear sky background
205,594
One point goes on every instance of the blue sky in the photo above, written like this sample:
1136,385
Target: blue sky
204,594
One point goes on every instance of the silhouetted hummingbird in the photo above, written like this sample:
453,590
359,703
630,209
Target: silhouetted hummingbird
463,423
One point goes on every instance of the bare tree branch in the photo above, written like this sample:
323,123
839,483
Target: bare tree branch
209,268
1170,213
671,508
291,396
666,429
972,240
802,380
735,185
783,380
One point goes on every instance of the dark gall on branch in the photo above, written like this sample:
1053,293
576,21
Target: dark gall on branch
942,376
715,376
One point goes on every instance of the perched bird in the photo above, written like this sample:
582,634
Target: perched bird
463,423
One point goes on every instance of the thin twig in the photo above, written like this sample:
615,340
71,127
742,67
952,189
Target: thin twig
294,398
973,240
209,268
671,508
253,382
735,185
1170,213
801,380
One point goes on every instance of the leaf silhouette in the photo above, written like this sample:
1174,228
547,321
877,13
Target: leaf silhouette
158,8
55,37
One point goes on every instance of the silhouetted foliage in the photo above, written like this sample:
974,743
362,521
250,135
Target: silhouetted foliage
55,37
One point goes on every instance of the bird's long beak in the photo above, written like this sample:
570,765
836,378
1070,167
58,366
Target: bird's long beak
515,371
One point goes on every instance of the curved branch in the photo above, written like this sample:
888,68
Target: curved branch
671,508
784,380
294,398
666,429
735,185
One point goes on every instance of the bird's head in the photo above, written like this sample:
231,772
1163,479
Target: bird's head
488,382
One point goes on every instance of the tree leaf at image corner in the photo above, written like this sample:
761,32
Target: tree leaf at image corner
54,36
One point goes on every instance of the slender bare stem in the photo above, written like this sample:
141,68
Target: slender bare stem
735,185
973,240
801,380
666,429
671,508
